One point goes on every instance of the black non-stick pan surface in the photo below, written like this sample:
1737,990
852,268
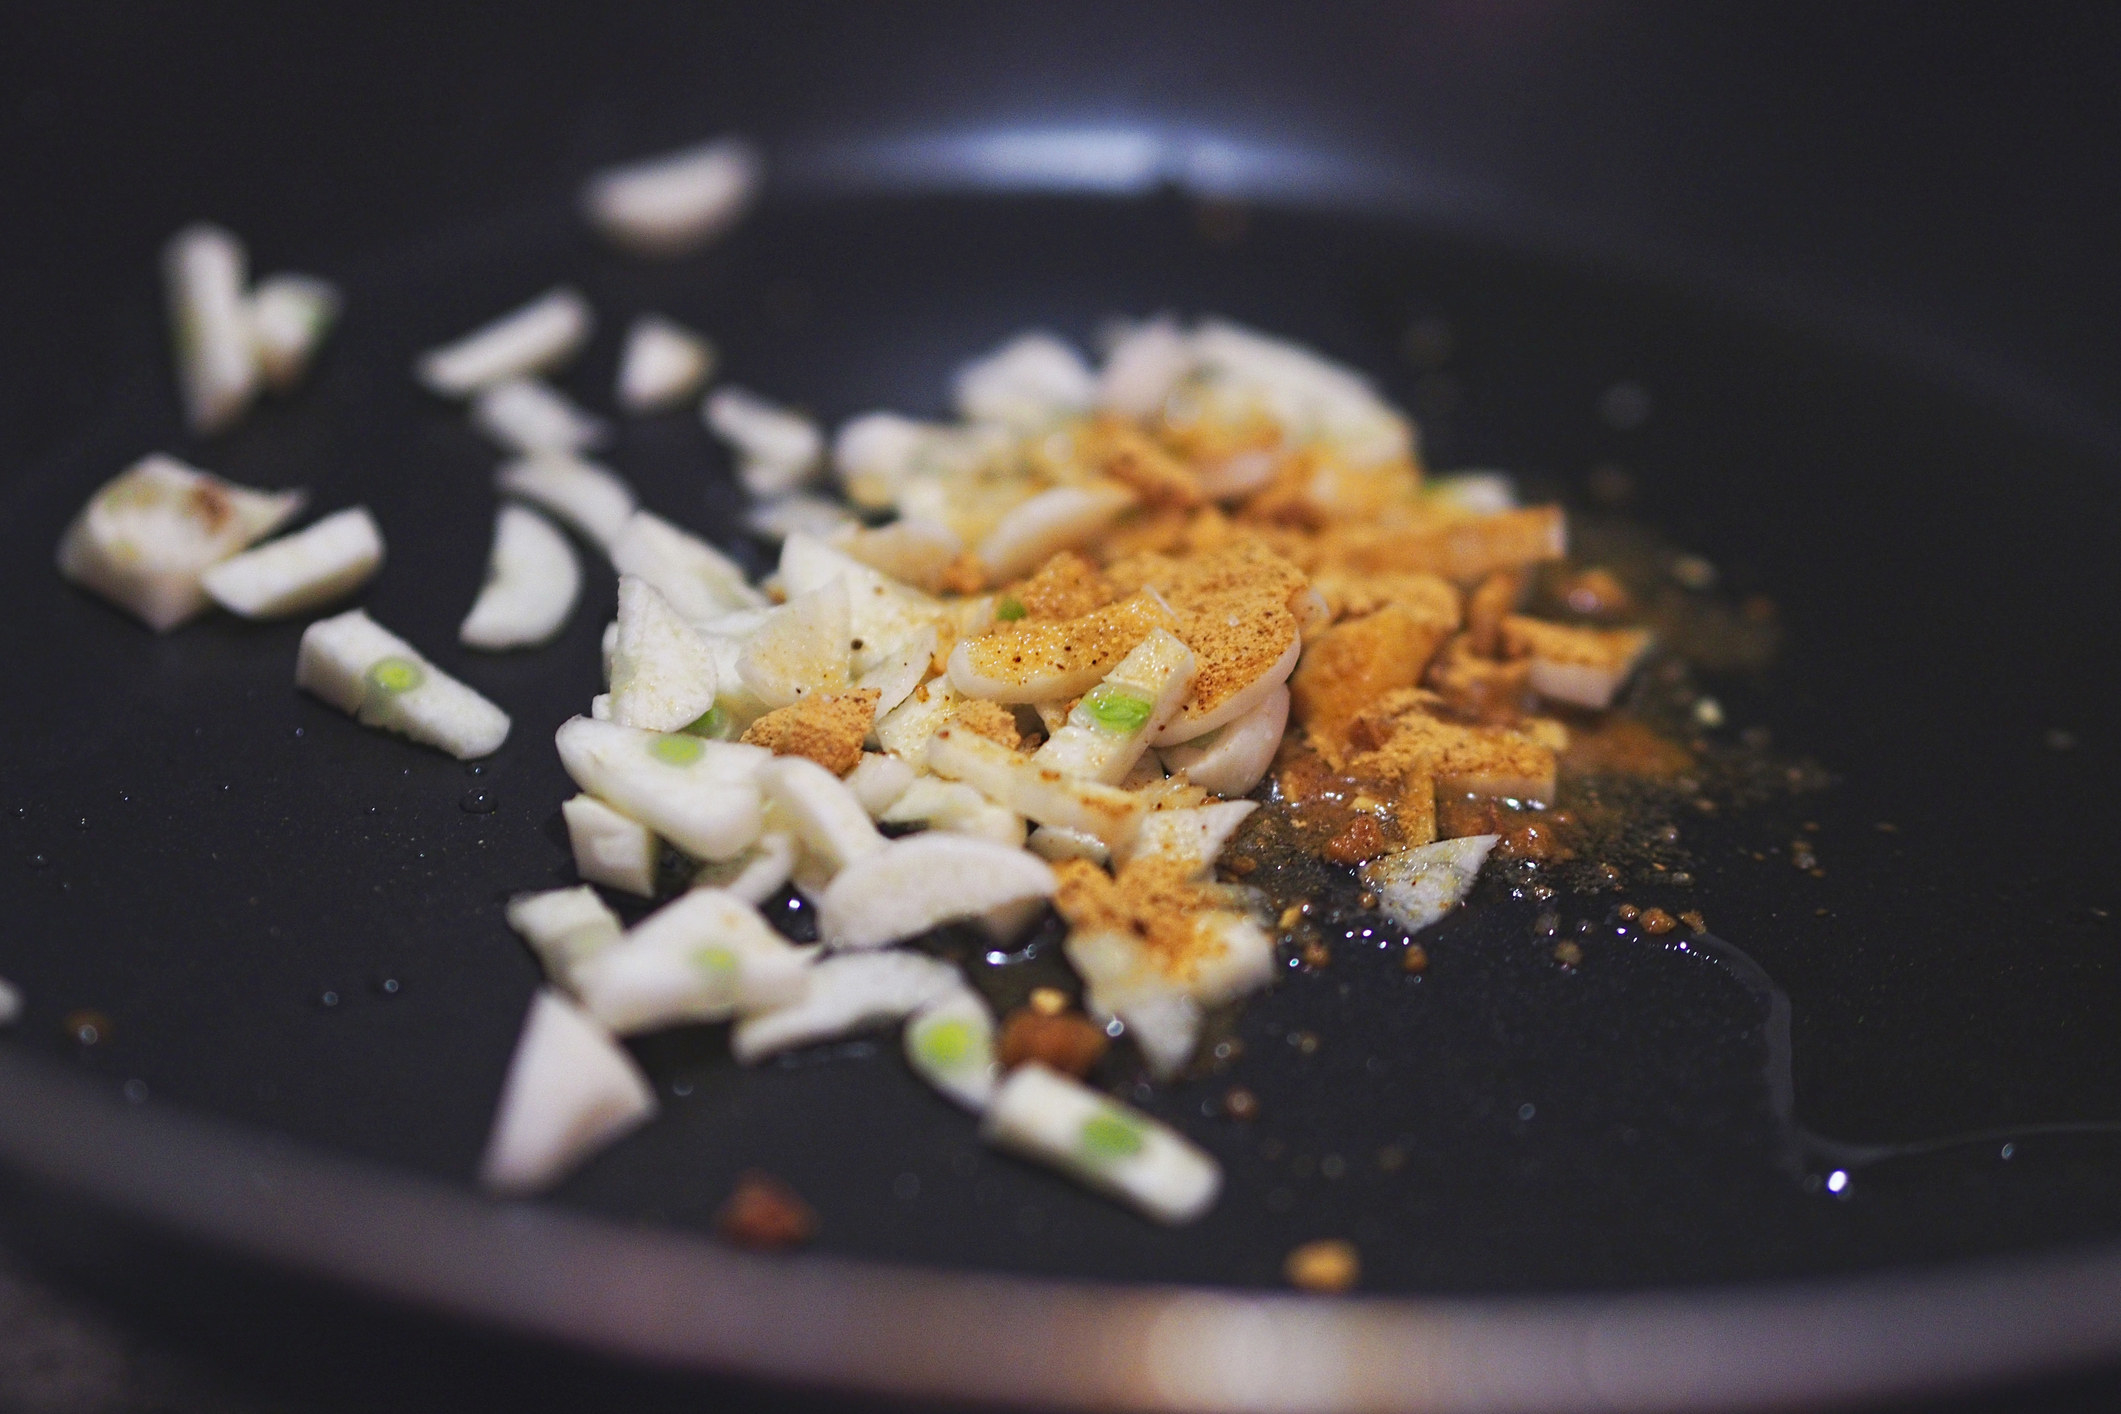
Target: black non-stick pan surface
230,907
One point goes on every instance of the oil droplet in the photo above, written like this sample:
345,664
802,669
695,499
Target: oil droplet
389,986
328,999
478,802
40,861
1525,1112
135,1092
90,1028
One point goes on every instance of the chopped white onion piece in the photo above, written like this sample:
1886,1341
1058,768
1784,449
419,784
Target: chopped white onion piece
950,1044
1058,842
1166,1029
537,337
1064,518
1417,887
777,450
800,649
662,670
845,994
1036,792
882,613
705,957
957,808
874,454
905,729
1313,398
1481,492
878,779
1110,1147
1142,367
664,364
1193,836
1110,726
147,537
365,670
310,568
700,581
914,551
758,873
798,513
528,416
592,500
570,1091
1189,722
827,817
611,849
667,205
1032,380
532,580
289,317
203,269
701,795
1232,759
916,883
896,675
565,928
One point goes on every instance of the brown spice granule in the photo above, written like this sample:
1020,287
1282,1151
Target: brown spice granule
1155,900
1068,1042
1486,608
765,1215
964,575
1316,954
1694,921
1326,1266
990,720
1047,1001
1346,669
1240,1103
1568,954
1065,587
1657,923
1091,643
826,727
1415,959
1362,840
1629,913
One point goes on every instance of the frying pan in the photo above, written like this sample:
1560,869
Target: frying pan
1851,1146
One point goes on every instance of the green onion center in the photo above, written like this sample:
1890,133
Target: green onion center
947,1043
396,675
1110,1135
1010,608
1117,710
677,749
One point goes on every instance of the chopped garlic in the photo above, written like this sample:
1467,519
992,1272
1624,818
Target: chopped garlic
565,928
912,551
878,779
1058,842
1193,836
827,816
882,613
664,364
667,205
777,449
528,416
797,513
700,795
896,676
1109,728
950,1044
904,731
298,572
289,317
1064,518
1032,380
700,581
1052,660
957,808
1142,367
1191,722
1116,1150
842,995
874,454
147,537
800,649
570,1091
705,957
758,873
1036,792
916,883
1232,759
534,339
662,671
1481,492
203,268
365,670
591,499
609,848
532,580
1417,887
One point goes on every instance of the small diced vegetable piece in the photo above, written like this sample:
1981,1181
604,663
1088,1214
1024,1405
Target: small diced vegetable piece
533,339
777,450
1484,493
1057,842
1232,759
1417,887
916,883
878,779
801,648
667,205
1313,398
203,268
1582,666
528,416
905,729
827,817
532,580
896,676
1064,518
1036,792
1229,956
1112,1148
1032,380
700,581
705,957
310,568
957,808
365,670
950,1044
1193,837
664,364
758,873
570,1091
565,928
798,513
1193,720
843,995
662,672
289,317
874,454
609,848
701,795
591,499
145,540
1142,368
1049,660
881,612
1109,728
914,551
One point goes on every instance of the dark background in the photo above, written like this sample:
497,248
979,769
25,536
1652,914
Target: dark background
1934,179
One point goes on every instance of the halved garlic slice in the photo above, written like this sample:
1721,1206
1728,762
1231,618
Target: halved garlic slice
881,613
921,881
570,1091
1233,758
827,816
532,580
878,779
662,671
701,795
777,449
312,567
532,339
565,928
1036,792
1063,518
1096,1140
1058,842
843,994
147,537
700,581
204,271
1109,728
950,1044
801,648
667,205
591,499
874,454
1192,837
705,957
1032,380
901,670
957,808
664,364
905,729
528,416
611,849
912,551
1192,721
797,513
379,679
289,317
1417,887
1141,368
757,874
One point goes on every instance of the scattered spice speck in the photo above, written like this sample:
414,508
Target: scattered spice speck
764,1214
1326,1266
